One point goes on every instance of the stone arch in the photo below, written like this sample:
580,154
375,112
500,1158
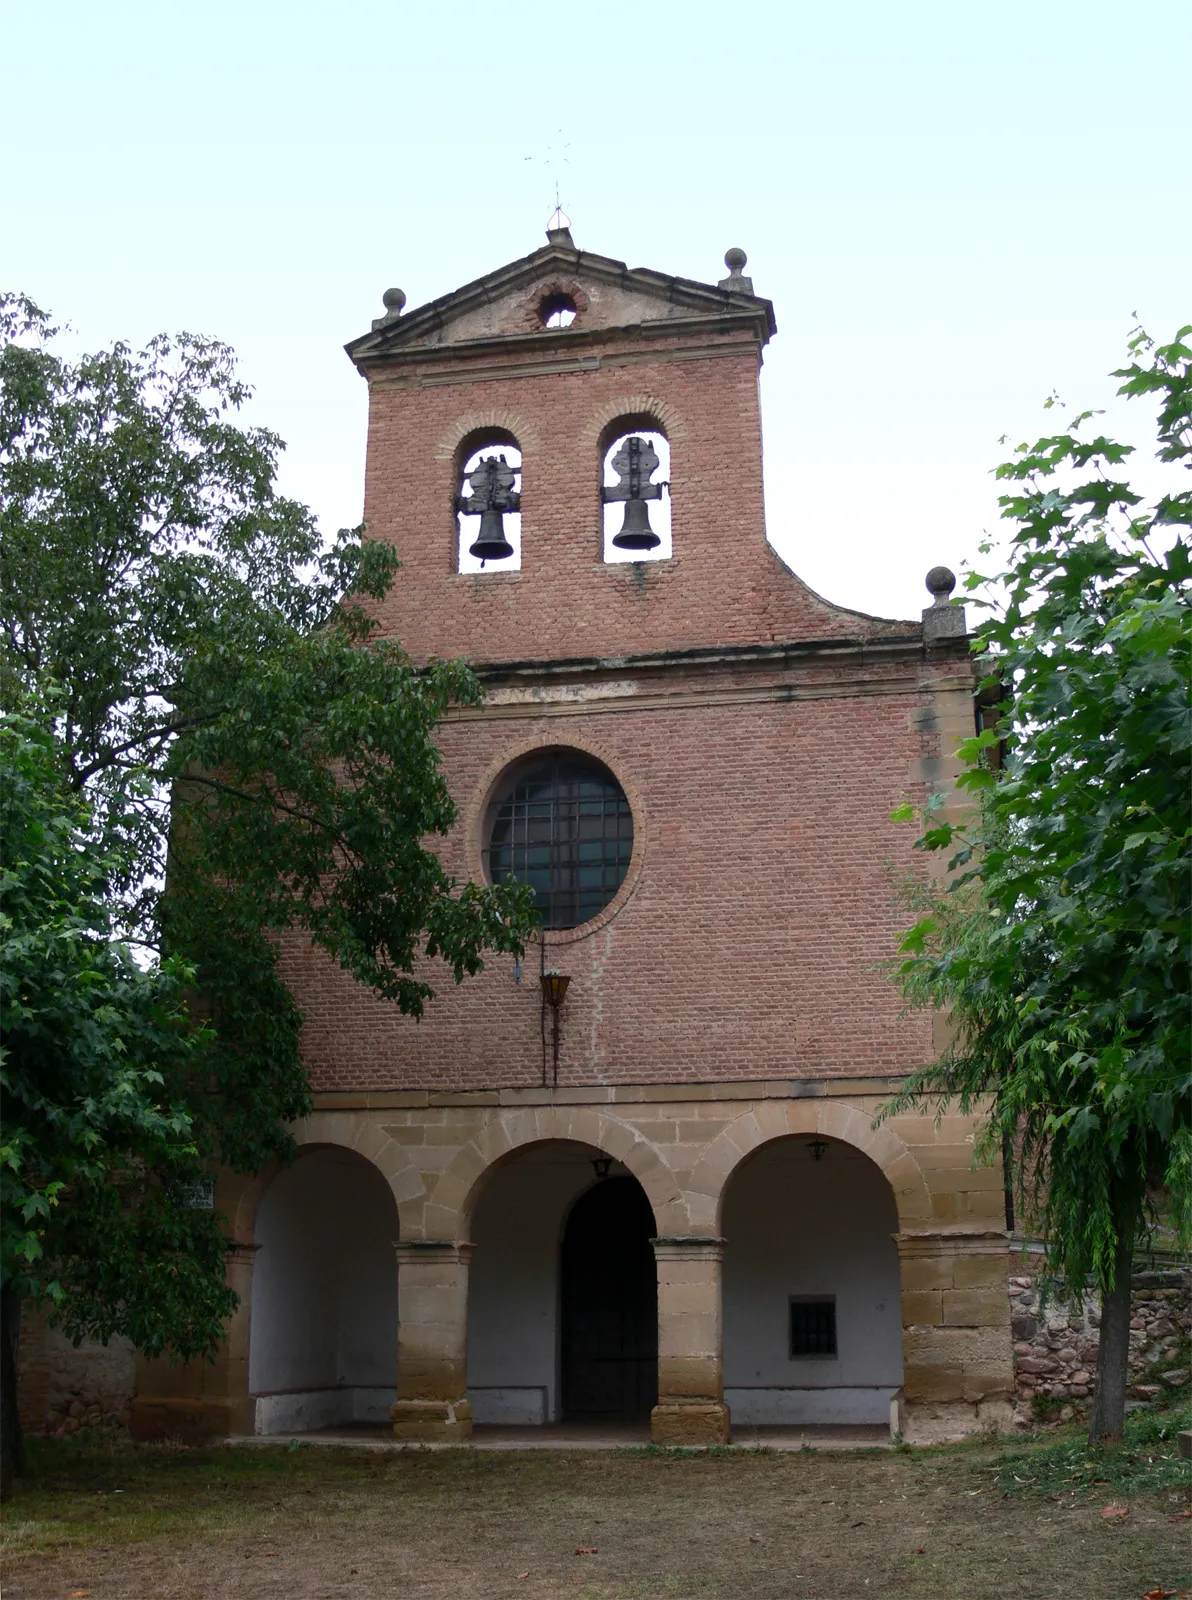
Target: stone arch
452,1198
835,1119
238,1195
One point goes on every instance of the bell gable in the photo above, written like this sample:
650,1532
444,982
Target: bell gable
519,305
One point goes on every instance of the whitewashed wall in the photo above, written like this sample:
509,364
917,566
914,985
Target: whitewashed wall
795,1226
513,1284
324,1297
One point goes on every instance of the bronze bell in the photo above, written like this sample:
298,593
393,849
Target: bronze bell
490,544
636,532
634,463
492,496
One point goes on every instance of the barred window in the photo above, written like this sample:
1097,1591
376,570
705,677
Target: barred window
813,1327
563,825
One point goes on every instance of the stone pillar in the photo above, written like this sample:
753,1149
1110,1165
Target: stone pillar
691,1408
958,1361
200,1400
432,1327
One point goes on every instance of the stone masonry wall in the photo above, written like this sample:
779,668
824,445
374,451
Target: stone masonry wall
1055,1345
64,1389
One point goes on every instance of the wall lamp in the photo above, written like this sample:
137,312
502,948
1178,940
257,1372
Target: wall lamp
601,1164
554,991
818,1148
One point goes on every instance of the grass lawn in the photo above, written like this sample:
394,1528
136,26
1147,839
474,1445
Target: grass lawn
971,1522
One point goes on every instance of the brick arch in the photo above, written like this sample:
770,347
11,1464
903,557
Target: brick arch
572,738
563,285
490,417
452,1199
628,405
772,1119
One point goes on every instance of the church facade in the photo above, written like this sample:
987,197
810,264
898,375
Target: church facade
634,1176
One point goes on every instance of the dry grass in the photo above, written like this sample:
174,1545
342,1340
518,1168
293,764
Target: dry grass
315,1522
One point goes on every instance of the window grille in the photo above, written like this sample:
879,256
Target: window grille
564,827
813,1328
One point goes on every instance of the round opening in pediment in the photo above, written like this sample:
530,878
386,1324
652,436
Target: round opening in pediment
557,309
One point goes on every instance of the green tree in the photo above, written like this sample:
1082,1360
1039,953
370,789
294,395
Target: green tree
95,1152
222,697
1061,945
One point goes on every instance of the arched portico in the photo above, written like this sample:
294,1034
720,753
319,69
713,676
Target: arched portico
810,1118
562,1303
324,1295
440,1159
199,1400
452,1199
812,1316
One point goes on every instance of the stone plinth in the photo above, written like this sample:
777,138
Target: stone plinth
200,1400
691,1408
432,1297
958,1369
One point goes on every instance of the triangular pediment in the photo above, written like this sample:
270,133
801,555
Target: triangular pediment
608,295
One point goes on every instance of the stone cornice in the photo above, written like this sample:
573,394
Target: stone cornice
908,644
611,1094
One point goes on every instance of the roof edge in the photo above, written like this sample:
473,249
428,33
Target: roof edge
388,334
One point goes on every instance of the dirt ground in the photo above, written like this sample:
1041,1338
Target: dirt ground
315,1522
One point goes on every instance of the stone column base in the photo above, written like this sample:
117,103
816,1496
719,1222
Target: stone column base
193,1419
699,1422
943,1422
432,1421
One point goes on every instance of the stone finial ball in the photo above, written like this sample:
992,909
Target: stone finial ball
940,582
735,259
393,300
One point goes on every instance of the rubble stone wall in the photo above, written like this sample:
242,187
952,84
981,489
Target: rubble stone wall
1055,1344
64,1388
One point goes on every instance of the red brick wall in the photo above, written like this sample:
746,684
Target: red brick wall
749,945
724,584
762,896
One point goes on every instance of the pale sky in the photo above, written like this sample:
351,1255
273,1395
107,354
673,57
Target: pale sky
955,208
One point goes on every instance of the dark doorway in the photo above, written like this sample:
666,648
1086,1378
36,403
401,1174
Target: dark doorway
610,1305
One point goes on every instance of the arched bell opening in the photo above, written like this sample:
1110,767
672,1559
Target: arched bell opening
487,502
811,1291
323,1348
635,490
562,1294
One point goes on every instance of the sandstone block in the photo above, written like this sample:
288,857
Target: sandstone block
695,1423
431,1421
980,1270
925,1272
975,1308
921,1306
